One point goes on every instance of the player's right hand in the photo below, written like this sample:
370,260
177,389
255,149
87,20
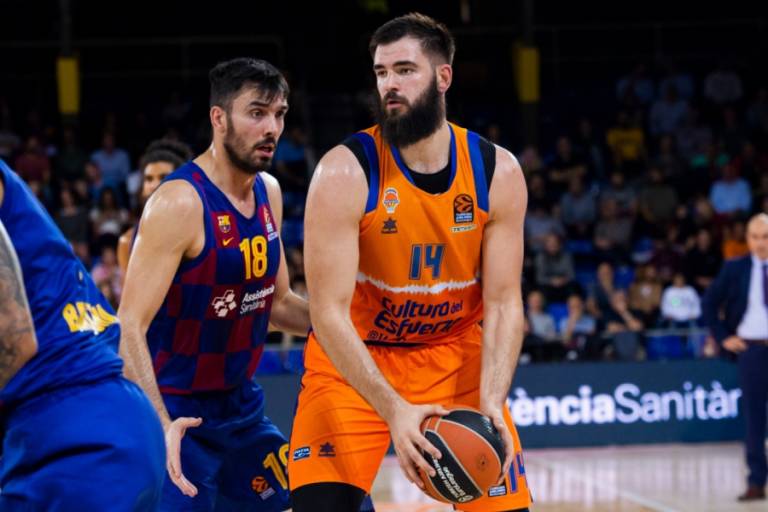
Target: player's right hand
409,442
735,344
173,435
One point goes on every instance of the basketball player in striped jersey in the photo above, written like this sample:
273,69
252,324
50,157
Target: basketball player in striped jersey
206,276
425,241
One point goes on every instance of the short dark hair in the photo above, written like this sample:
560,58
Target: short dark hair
174,152
435,38
229,77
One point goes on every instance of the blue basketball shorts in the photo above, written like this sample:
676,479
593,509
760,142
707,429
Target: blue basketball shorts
92,447
236,458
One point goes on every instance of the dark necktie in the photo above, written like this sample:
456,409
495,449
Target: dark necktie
765,283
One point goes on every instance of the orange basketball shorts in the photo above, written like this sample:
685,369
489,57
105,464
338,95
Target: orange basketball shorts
338,437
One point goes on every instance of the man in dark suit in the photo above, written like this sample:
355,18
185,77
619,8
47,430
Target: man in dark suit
736,310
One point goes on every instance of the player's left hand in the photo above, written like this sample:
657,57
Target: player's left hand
173,434
497,418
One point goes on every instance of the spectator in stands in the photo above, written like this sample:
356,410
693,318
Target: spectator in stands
751,164
578,330
9,141
176,112
681,80
731,195
531,161
539,224
702,213
613,234
95,182
538,342
657,203
626,142
33,165
108,272
645,294
624,327
602,290
115,164
702,262
723,86
538,192
591,147
108,218
733,134
554,270
292,164
757,112
637,85
668,255
577,209
761,194
566,165
71,160
734,240
669,161
680,304
693,136
72,219
668,114
708,164
624,196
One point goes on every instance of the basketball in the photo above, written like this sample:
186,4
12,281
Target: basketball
472,455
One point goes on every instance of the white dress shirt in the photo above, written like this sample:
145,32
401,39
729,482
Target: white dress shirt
754,324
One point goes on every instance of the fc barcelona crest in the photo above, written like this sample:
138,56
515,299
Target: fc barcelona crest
224,224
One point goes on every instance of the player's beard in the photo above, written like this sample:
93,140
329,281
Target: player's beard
241,155
421,119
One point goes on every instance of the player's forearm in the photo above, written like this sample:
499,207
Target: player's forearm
18,342
290,314
503,325
351,358
138,368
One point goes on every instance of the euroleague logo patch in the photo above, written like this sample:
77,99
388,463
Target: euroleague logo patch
463,209
261,487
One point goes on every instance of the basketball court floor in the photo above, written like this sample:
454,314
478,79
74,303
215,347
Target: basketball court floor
655,478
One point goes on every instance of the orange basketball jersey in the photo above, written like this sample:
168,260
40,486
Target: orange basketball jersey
420,253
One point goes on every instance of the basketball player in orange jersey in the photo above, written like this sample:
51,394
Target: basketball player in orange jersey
161,158
414,235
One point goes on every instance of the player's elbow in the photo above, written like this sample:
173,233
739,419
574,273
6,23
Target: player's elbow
16,355
326,319
27,350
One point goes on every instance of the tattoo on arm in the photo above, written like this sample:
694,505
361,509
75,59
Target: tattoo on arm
17,332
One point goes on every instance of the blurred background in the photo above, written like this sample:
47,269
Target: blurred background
642,129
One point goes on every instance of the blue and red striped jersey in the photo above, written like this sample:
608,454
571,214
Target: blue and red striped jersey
209,333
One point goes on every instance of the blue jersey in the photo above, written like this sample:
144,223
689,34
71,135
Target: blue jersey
77,330
209,333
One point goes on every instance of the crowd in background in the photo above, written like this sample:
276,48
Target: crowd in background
628,221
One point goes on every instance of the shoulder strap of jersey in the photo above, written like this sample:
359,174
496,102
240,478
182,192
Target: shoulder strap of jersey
193,178
482,153
363,146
